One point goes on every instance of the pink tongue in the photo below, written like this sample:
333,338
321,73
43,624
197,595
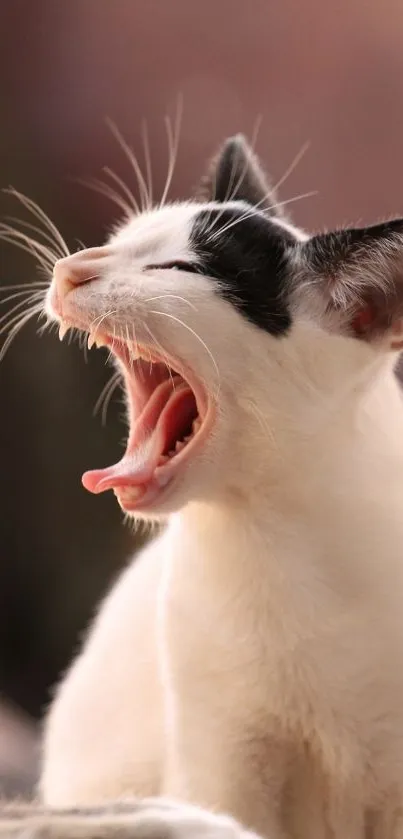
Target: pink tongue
119,475
154,429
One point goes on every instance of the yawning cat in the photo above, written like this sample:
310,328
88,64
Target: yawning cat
250,661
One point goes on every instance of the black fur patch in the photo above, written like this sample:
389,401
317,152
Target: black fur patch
250,262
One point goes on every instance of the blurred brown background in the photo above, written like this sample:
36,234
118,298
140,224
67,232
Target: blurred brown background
331,74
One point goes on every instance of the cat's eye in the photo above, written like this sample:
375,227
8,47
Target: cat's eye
178,265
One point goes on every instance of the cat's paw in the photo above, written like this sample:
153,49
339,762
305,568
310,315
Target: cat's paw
149,819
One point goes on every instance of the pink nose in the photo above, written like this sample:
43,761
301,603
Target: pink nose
79,268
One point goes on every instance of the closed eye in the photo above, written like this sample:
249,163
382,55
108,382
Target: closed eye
178,265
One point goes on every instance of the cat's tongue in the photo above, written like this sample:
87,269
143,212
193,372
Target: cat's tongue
165,419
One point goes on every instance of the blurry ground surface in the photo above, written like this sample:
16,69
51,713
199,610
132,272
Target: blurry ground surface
19,751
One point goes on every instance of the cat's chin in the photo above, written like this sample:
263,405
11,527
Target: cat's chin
171,417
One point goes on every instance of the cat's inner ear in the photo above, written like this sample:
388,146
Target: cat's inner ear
356,275
235,174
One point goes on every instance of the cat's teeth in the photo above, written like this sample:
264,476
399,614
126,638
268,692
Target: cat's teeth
163,459
180,444
133,492
63,328
100,342
94,339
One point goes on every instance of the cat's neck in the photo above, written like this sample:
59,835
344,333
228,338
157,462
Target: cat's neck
323,523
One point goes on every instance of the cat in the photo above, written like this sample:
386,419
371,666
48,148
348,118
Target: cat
245,674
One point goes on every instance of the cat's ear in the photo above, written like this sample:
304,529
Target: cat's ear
235,174
356,277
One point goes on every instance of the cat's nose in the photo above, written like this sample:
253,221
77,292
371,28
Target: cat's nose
79,268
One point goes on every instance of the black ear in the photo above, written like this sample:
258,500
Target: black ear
356,275
236,175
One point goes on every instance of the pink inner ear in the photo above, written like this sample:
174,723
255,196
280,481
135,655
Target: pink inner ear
363,320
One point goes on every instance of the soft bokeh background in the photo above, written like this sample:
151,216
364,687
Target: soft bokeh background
331,74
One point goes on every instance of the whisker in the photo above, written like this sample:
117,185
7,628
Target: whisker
125,189
232,188
37,310
38,295
145,198
24,293
173,297
98,320
35,229
250,213
105,396
26,243
17,286
105,189
40,214
15,318
189,328
294,163
163,353
147,158
173,136
262,420
253,142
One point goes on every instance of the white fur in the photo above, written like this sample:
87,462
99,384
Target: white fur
251,661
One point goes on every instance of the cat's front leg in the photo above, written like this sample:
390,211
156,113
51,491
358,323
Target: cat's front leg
148,819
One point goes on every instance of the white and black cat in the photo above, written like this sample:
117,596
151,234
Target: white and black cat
250,662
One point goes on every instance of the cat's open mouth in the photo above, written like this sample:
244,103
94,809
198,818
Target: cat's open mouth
170,417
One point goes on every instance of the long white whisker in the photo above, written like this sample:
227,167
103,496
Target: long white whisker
16,318
163,353
125,189
45,266
147,158
40,214
105,396
105,189
294,163
38,295
250,213
20,239
232,188
253,142
37,310
189,328
172,297
27,292
26,286
145,198
100,318
173,146
54,246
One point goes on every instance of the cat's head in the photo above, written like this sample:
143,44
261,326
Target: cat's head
236,333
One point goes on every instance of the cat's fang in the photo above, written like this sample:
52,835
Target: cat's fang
95,339
63,328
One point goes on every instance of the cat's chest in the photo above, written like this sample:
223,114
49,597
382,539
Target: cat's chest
217,630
